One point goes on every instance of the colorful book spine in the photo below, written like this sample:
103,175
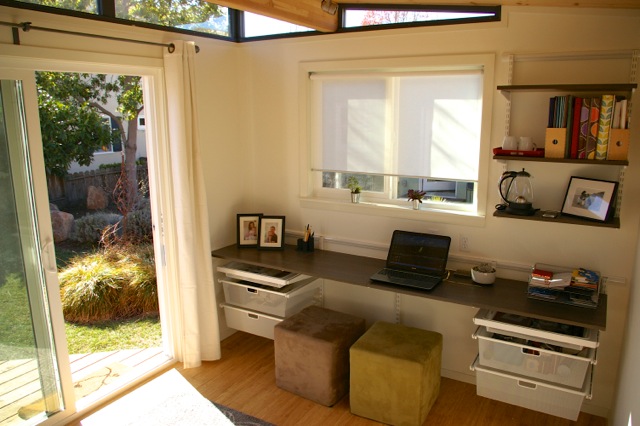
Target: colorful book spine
604,126
584,127
592,136
575,127
552,112
568,124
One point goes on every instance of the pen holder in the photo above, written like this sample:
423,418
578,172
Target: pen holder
305,245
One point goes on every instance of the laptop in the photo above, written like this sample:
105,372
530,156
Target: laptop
415,260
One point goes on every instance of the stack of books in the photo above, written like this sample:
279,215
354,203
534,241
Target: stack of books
588,122
578,286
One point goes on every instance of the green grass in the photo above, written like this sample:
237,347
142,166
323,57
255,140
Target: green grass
16,333
114,335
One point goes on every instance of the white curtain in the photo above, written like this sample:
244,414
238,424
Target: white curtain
195,315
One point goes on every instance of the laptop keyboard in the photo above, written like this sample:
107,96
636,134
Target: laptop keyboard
410,279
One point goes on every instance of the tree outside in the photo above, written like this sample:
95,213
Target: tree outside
168,13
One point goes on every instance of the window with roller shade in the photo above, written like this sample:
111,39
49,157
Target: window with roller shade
396,130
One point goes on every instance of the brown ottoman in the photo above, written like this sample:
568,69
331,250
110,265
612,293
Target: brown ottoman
395,373
312,353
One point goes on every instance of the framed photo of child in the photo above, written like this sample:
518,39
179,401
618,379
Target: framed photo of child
248,229
271,232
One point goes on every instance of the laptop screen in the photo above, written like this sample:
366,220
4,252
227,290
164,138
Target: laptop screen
417,252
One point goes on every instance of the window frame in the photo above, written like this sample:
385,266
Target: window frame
106,13
311,192
344,8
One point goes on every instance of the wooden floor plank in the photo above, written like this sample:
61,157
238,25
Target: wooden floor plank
20,383
244,379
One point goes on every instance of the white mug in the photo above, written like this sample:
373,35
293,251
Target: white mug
526,144
510,143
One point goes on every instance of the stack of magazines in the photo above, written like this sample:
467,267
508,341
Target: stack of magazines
573,286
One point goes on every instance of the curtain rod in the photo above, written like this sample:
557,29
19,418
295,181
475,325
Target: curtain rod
27,26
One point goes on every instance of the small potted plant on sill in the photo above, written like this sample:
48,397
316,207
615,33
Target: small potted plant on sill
354,186
483,274
415,196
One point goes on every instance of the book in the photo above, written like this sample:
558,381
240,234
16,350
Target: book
542,273
552,112
585,278
604,126
575,130
592,136
568,124
584,127
619,120
583,275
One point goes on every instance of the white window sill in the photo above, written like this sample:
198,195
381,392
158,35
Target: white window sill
398,212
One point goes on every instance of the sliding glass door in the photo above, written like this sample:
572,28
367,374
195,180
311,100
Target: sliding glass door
30,375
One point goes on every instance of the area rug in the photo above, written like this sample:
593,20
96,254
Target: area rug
241,419
167,400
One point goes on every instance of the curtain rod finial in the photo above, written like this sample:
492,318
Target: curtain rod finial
172,48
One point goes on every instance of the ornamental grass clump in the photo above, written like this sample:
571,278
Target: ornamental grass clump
112,283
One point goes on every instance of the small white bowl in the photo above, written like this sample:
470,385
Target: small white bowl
483,277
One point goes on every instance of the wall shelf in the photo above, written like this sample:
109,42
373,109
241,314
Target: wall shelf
623,87
562,160
612,223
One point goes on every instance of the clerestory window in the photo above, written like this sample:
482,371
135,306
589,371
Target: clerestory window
217,21
396,128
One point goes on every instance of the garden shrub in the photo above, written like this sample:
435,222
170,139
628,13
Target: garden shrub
112,283
88,229
138,224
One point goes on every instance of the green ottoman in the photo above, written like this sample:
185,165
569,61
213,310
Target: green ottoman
312,353
395,373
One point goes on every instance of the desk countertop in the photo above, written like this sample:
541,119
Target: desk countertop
509,296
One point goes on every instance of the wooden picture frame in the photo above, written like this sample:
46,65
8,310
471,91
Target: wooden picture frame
271,233
591,199
248,229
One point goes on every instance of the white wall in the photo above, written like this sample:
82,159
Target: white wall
273,155
626,406
248,119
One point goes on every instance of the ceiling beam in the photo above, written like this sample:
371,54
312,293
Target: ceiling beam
307,13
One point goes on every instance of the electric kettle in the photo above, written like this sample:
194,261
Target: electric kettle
516,190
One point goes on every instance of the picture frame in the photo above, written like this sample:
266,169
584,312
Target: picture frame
248,229
591,199
271,232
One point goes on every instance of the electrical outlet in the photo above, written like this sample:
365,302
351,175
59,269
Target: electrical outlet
464,243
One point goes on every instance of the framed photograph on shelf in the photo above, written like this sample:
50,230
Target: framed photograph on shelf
590,198
248,229
271,234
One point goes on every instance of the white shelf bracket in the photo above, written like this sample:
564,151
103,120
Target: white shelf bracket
635,57
507,117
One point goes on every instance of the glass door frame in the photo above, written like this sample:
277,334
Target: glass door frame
43,238
20,62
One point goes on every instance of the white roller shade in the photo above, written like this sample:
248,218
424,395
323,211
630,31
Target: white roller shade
417,125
